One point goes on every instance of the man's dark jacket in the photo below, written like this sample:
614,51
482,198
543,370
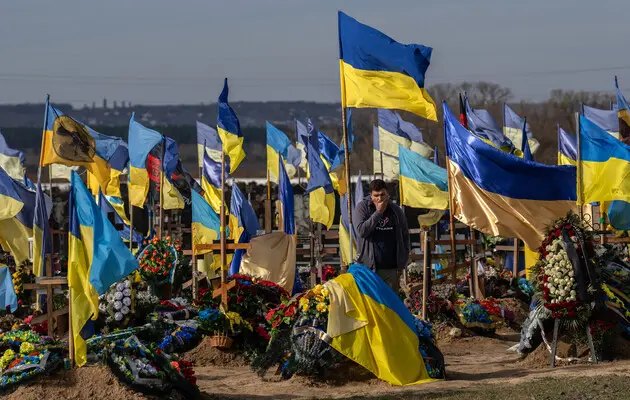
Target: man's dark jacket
365,219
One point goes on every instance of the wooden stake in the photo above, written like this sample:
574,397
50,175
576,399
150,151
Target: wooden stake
268,219
426,275
580,194
515,264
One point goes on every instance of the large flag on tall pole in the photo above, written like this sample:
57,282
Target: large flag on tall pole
229,130
623,114
97,258
502,195
378,72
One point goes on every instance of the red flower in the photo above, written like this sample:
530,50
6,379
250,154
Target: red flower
262,332
290,311
270,314
240,299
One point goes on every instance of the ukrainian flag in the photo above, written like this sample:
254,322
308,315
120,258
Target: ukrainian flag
141,141
72,143
623,113
17,212
481,123
211,182
97,258
369,324
333,158
279,144
206,224
344,232
208,139
229,130
108,205
423,184
285,195
605,119
378,72
172,199
243,224
301,134
42,241
12,161
382,163
567,148
320,188
513,129
502,195
605,165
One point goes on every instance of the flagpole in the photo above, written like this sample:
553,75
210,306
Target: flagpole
346,154
268,224
222,228
131,226
451,218
380,153
579,167
41,151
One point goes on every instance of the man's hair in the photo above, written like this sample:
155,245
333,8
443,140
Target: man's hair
377,185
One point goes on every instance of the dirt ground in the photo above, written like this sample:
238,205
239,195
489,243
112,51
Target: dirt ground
477,368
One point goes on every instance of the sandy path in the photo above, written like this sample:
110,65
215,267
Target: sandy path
469,362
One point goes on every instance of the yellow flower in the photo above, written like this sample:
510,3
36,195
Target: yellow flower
303,301
26,348
325,292
305,307
318,289
321,307
319,298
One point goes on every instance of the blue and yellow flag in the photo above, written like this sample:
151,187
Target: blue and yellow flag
301,137
229,130
369,324
481,123
527,152
423,184
141,141
206,224
393,131
320,188
97,258
567,148
72,143
378,72
208,139
345,230
8,298
108,206
42,240
605,166
605,119
285,195
279,144
502,195
17,213
211,182
513,130
12,161
243,224
623,113
171,199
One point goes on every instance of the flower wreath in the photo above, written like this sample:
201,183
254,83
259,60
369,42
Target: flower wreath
556,270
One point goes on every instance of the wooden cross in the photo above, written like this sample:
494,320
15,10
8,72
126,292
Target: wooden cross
222,291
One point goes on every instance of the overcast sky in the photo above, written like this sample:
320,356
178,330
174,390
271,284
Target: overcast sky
178,51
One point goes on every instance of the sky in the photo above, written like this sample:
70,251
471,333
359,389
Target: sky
178,52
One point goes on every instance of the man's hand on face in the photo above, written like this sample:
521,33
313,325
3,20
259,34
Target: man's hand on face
380,200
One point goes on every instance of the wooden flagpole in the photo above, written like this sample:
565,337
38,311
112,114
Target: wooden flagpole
268,224
580,195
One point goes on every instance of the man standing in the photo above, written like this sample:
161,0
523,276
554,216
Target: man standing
382,235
